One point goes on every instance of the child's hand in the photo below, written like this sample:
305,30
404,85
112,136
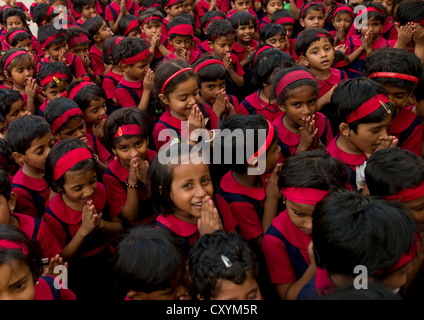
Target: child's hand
405,34
249,52
229,106
271,189
84,139
155,41
185,55
123,7
308,134
98,129
341,47
90,218
31,56
148,81
53,263
132,176
368,37
227,61
212,5
340,35
31,88
141,170
86,61
195,119
220,104
209,220
62,57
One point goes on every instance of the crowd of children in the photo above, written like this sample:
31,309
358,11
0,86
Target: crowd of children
211,149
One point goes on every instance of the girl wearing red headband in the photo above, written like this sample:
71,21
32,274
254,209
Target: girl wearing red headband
342,20
21,262
172,9
286,243
269,7
127,133
312,15
117,9
81,217
301,127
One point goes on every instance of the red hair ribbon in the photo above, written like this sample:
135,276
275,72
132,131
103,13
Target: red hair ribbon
69,159
313,2
7,244
81,38
117,40
150,19
128,129
77,88
264,147
65,117
285,20
182,29
369,107
13,56
208,62
304,195
369,10
421,22
51,38
171,3
214,18
53,77
172,77
133,24
143,55
408,194
342,8
49,12
292,77
394,75
261,50
14,33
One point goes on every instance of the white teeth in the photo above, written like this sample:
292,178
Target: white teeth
197,204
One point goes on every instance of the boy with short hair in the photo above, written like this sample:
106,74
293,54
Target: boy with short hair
31,139
172,9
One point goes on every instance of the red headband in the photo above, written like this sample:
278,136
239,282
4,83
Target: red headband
313,2
394,75
149,19
292,77
117,39
342,8
51,38
48,13
408,194
266,144
127,129
182,29
53,77
304,195
369,107
171,3
421,22
259,51
208,62
369,10
7,244
81,38
69,159
214,18
172,77
77,88
65,117
133,24
14,33
143,55
285,20
13,56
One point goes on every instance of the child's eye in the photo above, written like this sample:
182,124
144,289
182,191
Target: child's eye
187,185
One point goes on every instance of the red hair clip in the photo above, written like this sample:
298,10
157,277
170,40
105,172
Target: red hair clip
64,94
86,78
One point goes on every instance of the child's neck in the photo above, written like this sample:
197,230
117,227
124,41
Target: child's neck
266,93
250,181
242,43
345,145
203,101
71,204
186,217
290,125
320,74
32,172
117,69
19,88
99,45
130,79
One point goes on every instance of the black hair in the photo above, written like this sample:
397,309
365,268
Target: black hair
186,16
218,29
59,150
208,269
282,13
123,25
149,13
125,116
419,89
86,94
33,259
375,291
281,99
5,184
24,130
165,3
206,18
149,4
39,14
73,32
148,259
359,90
243,18
21,36
392,170
7,163
92,26
236,138
314,169
336,5
109,51
265,3
373,15
270,30
267,63
177,22
166,70
14,62
211,72
351,229
48,68
410,11
48,30
14,12
7,98
129,47
394,60
54,109
311,6
340,56
307,37
80,4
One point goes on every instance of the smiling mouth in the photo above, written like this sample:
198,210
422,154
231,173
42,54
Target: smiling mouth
197,205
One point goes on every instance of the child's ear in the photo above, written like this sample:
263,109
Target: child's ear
303,60
210,44
344,129
46,51
56,136
205,31
302,22
96,37
282,108
160,190
125,67
163,98
12,201
18,157
5,74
